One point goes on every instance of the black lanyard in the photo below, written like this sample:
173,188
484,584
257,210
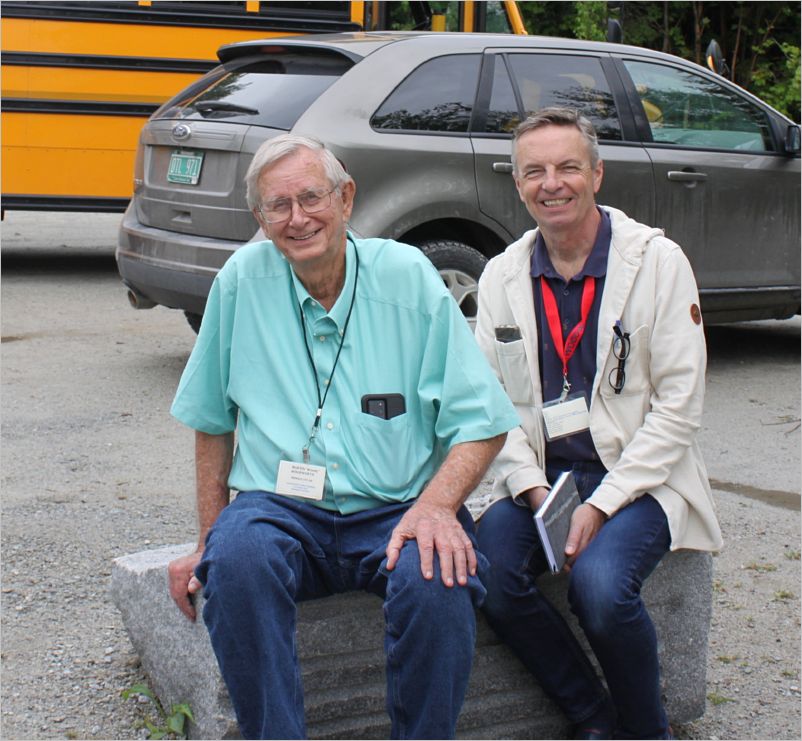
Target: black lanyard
321,400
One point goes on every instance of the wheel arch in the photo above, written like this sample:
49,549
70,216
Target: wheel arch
471,233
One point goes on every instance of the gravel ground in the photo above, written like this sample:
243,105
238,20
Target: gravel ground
66,657
93,468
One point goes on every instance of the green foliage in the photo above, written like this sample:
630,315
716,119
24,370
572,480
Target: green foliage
760,41
167,726
716,699
590,20
548,18
782,92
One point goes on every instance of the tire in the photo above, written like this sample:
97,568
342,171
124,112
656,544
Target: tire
460,267
194,320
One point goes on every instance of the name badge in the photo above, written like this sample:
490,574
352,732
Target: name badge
300,480
564,418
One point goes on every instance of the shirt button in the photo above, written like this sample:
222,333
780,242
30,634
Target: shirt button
565,292
322,338
342,332
335,466
326,382
329,426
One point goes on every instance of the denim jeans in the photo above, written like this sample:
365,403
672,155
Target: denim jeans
265,553
603,592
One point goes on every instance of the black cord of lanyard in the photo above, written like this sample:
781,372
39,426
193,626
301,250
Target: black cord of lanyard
321,400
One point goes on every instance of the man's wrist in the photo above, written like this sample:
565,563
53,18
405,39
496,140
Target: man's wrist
598,510
533,497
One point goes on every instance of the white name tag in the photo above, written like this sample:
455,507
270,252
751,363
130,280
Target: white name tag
563,418
300,480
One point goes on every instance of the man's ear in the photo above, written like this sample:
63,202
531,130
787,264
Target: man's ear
263,225
518,188
347,192
598,176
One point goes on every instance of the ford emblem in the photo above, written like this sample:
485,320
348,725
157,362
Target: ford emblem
181,131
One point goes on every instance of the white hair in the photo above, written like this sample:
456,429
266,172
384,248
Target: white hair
285,145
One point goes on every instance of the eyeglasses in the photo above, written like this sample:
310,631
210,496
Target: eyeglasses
311,202
618,377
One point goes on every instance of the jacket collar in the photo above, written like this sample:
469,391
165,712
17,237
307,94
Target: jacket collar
629,241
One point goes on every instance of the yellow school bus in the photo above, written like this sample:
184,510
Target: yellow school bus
79,79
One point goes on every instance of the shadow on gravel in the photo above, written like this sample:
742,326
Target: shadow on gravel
57,261
766,342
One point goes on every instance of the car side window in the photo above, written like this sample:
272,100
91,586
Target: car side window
562,80
502,115
437,96
694,111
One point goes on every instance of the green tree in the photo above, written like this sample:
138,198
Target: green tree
590,20
760,40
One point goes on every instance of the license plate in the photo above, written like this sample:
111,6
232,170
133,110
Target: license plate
185,167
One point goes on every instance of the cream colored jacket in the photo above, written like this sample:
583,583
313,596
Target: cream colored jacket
645,436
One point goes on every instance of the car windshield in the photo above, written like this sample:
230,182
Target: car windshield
264,92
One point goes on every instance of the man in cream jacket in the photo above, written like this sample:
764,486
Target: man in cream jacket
592,324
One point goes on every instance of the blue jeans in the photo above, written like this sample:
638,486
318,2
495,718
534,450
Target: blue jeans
265,553
603,592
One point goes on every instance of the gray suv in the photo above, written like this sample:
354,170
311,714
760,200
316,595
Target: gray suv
423,123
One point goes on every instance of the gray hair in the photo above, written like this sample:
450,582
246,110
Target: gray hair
557,116
284,145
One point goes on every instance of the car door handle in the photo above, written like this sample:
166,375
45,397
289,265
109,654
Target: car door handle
504,167
686,177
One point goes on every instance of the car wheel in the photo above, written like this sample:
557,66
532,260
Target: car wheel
460,267
194,320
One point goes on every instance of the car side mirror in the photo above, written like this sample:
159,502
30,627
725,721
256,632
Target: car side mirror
793,139
715,59
615,32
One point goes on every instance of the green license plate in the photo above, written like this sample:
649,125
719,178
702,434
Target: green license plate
185,167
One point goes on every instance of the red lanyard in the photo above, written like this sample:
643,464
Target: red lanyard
565,351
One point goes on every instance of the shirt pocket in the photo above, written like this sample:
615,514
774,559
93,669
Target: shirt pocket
637,379
383,452
514,369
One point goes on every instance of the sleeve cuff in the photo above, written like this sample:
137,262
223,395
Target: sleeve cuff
608,499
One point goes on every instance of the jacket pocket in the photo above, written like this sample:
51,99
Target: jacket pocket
514,369
636,367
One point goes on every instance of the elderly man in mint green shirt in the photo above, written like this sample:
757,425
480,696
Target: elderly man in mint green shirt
364,415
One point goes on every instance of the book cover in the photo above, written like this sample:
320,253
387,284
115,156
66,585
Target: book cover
553,519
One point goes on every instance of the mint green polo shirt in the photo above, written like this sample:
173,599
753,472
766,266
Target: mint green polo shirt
249,371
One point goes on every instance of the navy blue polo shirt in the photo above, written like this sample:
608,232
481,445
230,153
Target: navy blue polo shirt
582,365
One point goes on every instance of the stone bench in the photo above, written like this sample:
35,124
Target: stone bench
344,681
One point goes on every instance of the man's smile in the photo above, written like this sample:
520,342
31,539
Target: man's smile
302,237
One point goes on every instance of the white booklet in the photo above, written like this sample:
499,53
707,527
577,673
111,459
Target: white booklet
553,519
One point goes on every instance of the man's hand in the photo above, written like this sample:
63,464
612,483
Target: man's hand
432,520
436,528
586,522
183,582
213,457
